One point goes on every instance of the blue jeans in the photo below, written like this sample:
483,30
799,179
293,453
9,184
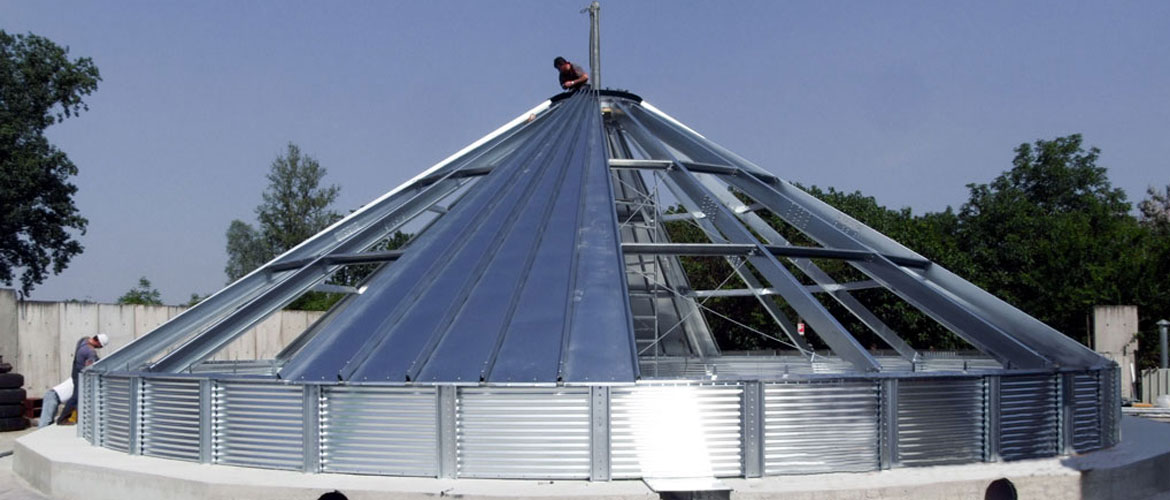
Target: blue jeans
49,408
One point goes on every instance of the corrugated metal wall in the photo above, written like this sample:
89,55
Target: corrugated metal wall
380,430
940,421
676,431
258,425
1029,417
1086,411
821,427
115,413
654,429
523,432
170,419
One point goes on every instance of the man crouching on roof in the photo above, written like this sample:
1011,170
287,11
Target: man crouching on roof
572,76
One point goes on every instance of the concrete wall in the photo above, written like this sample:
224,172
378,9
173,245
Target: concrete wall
1115,337
38,337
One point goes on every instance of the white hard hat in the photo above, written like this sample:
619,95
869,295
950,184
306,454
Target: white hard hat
103,339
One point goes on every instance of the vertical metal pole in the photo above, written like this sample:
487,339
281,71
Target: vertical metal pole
1163,325
135,429
595,44
446,413
206,404
753,429
992,410
888,453
599,469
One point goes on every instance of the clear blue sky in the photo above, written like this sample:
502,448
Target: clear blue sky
905,101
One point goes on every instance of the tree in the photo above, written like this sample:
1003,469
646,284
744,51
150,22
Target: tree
1052,235
1155,210
39,86
144,294
295,207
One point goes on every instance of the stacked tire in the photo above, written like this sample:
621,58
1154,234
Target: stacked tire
12,398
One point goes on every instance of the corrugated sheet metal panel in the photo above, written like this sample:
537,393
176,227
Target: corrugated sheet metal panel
1029,417
940,421
523,432
170,419
379,430
115,413
821,427
1086,417
87,405
258,425
676,431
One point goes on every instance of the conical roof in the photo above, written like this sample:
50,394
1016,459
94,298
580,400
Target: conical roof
544,260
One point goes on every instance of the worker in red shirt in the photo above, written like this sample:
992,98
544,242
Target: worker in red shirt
572,76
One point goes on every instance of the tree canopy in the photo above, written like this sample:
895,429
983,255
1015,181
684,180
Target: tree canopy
144,294
295,207
1051,236
39,86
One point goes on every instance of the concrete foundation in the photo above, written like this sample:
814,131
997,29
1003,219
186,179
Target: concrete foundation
62,466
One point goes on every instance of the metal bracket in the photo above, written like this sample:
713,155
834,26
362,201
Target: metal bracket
599,465
753,429
311,428
135,401
206,405
446,409
992,431
888,453
1065,440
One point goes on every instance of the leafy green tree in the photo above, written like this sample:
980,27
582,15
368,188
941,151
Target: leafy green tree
294,207
39,86
143,294
1155,209
1052,235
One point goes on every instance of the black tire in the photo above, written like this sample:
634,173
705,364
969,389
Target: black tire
11,380
13,424
9,411
5,367
12,396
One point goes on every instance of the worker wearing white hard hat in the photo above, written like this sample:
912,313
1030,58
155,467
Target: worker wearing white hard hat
84,355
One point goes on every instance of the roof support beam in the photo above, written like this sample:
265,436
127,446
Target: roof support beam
826,326
951,313
727,249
